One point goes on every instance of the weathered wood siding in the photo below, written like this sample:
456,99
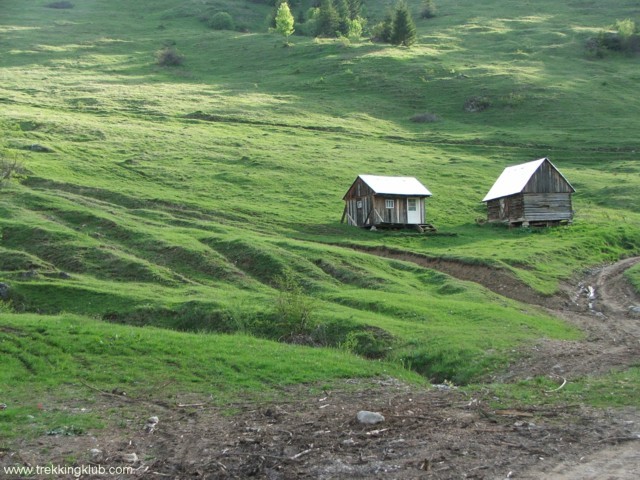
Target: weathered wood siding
397,214
545,198
359,200
547,179
372,210
531,207
358,210
365,208
506,209
547,207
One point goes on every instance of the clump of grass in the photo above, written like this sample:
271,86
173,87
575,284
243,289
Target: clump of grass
169,57
633,275
425,117
59,5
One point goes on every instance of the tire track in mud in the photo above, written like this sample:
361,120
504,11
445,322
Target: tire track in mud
497,280
598,305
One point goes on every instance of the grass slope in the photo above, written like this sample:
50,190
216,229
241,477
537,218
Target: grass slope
179,197
50,361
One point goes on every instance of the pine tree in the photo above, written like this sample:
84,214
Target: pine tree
342,7
355,8
284,21
328,19
404,28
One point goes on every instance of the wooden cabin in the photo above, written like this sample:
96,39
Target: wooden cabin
386,202
532,193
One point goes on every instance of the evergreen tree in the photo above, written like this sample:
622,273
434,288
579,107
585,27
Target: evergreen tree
404,28
355,8
284,20
342,7
328,19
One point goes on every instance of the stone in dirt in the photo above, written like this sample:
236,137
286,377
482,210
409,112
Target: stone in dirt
130,457
369,418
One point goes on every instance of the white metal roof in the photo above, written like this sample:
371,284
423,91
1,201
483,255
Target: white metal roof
395,185
513,179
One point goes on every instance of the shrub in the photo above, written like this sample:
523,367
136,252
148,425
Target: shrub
425,117
294,310
308,22
381,32
428,9
9,169
476,104
222,21
626,28
169,57
372,342
354,28
624,39
59,5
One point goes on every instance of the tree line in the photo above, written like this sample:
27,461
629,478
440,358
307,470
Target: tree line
344,18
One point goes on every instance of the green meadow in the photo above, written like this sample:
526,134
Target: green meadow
192,213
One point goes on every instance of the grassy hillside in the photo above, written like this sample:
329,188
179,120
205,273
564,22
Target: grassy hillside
186,197
48,361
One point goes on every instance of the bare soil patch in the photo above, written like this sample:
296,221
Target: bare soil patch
427,433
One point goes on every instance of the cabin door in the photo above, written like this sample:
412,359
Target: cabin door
413,211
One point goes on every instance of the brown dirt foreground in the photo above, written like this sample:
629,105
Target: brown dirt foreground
434,433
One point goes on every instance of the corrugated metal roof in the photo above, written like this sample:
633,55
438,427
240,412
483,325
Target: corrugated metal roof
513,179
395,185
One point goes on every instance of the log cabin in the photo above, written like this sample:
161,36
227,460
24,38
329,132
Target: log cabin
533,193
386,202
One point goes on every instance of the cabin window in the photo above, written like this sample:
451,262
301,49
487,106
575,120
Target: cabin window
389,203
412,205
359,204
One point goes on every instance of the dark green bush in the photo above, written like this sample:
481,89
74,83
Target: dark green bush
624,39
425,117
428,9
222,21
169,57
59,5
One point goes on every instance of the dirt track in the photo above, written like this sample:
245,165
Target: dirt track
437,433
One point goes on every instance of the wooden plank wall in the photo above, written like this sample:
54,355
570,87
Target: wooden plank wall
363,216
531,207
547,180
541,207
357,216
507,209
380,213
